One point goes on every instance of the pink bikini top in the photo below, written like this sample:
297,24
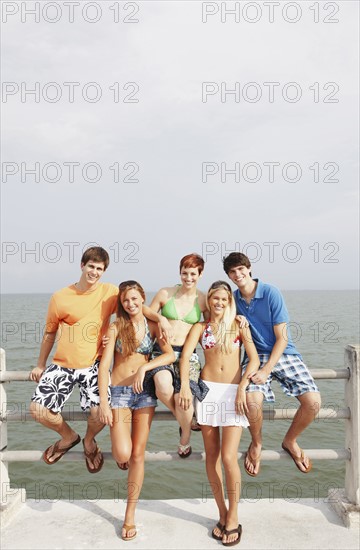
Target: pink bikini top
208,339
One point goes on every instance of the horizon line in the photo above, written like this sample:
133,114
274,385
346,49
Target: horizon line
283,289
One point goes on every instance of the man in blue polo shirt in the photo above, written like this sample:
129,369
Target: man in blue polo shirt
264,307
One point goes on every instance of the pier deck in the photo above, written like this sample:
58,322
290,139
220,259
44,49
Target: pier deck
176,524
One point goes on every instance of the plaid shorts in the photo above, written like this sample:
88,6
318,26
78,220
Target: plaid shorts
57,384
291,373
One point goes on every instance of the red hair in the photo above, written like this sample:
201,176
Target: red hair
192,261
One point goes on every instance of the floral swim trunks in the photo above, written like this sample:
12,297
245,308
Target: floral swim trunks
57,384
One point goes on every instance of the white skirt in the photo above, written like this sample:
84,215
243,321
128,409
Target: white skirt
218,406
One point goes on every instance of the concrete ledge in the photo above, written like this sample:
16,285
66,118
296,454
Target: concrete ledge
176,524
12,506
349,513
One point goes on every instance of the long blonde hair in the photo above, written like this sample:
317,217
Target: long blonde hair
126,330
228,328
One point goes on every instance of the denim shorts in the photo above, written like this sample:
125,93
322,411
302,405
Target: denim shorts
124,397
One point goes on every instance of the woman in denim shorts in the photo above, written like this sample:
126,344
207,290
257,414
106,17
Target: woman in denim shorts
133,399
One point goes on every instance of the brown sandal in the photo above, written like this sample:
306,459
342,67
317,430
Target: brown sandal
127,529
221,528
123,465
227,532
254,461
57,449
90,457
299,460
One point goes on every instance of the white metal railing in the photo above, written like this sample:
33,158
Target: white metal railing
350,413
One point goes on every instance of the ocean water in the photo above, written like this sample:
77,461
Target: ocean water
322,324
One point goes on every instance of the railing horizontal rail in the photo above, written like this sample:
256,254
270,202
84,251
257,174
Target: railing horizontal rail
318,374
271,414
323,374
163,456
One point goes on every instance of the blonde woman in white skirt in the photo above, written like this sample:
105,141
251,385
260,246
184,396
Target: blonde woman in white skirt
225,403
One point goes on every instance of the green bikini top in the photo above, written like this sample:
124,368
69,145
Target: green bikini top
169,311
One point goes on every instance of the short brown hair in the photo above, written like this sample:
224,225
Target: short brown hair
235,259
96,254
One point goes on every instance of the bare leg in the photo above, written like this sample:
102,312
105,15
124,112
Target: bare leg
94,426
184,419
53,421
140,432
255,417
310,403
164,389
229,449
120,433
211,438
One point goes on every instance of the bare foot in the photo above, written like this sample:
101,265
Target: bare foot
128,531
232,535
231,531
252,459
93,456
53,453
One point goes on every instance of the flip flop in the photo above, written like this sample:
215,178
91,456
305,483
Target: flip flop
221,528
184,450
57,449
90,457
123,465
254,461
298,459
127,529
238,530
195,427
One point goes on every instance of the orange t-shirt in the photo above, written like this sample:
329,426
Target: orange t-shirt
80,319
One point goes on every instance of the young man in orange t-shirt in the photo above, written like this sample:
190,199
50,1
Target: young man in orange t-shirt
78,316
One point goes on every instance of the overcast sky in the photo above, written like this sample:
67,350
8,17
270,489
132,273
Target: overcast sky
151,98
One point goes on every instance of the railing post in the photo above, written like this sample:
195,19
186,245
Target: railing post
4,473
346,502
352,426
10,499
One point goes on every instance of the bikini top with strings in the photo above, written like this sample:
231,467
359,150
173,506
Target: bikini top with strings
208,339
169,311
146,345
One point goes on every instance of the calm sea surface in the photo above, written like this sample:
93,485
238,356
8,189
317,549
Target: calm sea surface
322,323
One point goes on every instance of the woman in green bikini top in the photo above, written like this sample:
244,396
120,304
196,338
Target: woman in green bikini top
170,312
182,306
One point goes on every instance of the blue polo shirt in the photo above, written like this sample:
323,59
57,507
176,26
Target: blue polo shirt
266,309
